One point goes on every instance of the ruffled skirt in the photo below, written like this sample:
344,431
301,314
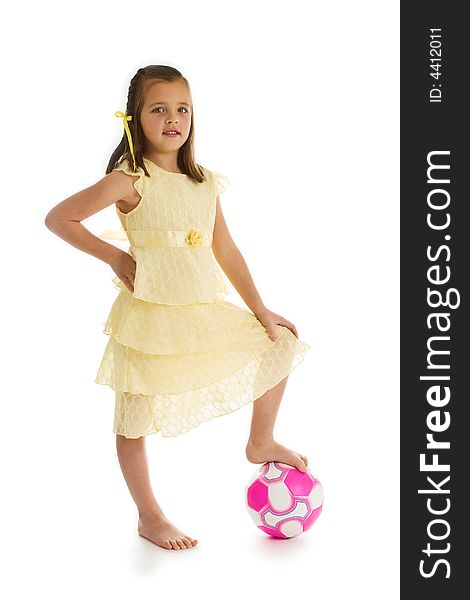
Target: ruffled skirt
174,367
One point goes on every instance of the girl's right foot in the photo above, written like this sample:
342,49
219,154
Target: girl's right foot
271,451
159,530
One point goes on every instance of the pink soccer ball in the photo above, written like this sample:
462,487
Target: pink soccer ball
283,501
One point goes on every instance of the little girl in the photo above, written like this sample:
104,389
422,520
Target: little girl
178,353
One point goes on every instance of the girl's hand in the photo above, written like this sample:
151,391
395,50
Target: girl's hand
124,267
269,319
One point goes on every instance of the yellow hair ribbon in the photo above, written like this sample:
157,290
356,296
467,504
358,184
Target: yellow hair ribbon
126,118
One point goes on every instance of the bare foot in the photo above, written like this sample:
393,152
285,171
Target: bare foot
163,533
273,451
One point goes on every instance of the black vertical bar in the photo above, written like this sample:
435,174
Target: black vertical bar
435,234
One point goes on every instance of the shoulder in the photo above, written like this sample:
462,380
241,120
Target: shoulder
206,172
125,167
132,183
219,181
208,179
214,176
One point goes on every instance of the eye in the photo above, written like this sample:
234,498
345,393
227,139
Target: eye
157,107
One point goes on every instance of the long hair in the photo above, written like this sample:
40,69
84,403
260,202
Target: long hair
135,103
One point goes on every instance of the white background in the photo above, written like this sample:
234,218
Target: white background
298,104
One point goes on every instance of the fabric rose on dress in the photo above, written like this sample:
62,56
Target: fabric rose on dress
195,238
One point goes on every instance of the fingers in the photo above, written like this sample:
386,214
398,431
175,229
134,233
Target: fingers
290,326
270,325
129,284
273,335
126,269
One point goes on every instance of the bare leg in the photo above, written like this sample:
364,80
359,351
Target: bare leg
153,525
261,446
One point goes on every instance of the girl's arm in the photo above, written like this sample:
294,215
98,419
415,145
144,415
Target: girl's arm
234,266
65,218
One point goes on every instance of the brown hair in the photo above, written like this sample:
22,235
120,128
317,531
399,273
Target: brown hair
135,102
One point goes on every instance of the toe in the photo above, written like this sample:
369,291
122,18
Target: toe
181,544
193,541
187,542
168,545
174,545
300,465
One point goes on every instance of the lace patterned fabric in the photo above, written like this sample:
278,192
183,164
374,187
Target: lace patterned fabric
172,203
178,354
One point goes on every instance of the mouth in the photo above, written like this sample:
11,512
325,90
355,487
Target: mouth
171,132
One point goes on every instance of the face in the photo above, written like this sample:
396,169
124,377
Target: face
167,106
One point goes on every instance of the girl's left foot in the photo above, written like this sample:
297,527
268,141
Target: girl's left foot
271,451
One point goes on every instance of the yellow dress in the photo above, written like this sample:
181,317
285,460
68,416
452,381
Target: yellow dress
178,354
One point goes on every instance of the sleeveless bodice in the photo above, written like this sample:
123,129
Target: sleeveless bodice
170,235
